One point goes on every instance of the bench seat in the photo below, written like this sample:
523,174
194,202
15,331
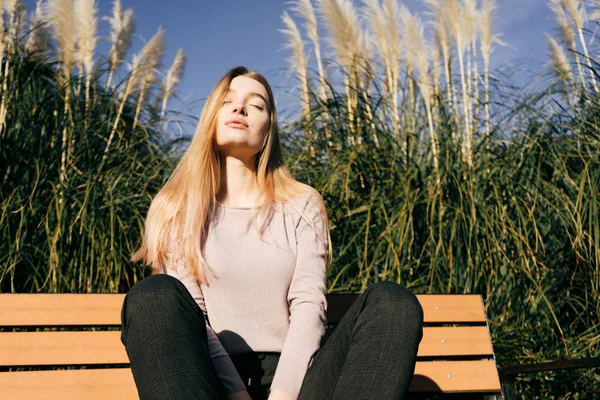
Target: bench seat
68,346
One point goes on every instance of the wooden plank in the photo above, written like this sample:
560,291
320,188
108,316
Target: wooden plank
61,348
82,348
86,384
430,376
60,309
452,308
104,309
437,308
455,341
455,376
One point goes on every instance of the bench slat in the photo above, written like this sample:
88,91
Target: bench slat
60,309
85,384
455,376
90,384
455,341
437,308
81,348
104,309
61,348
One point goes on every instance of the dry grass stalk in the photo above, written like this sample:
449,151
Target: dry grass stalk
61,14
443,47
86,40
392,14
172,79
408,117
39,36
1,36
347,40
488,8
386,39
62,19
470,14
122,28
436,69
307,11
471,28
417,54
12,8
2,48
578,16
141,65
298,62
9,6
567,31
454,20
144,66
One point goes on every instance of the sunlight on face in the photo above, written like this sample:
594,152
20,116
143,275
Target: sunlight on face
243,119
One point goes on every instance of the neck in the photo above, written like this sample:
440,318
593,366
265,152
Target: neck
239,187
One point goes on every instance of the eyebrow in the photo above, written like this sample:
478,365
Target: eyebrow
252,94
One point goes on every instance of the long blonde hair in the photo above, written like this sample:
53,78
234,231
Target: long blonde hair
179,216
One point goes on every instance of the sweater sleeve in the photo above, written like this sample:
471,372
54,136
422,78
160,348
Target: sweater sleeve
306,299
222,362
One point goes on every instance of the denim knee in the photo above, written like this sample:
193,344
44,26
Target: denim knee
396,301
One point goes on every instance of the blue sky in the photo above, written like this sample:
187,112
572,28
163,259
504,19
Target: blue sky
219,34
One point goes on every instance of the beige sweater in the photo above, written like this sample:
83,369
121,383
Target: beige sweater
264,296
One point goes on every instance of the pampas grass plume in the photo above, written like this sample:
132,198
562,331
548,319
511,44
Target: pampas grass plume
577,12
1,36
149,59
559,60
86,36
172,79
39,36
62,19
563,21
122,26
344,26
298,60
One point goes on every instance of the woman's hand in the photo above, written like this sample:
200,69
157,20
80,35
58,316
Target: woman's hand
239,395
277,394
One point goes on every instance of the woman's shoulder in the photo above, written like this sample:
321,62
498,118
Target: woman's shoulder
307,203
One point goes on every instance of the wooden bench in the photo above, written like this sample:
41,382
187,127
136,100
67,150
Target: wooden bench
67,346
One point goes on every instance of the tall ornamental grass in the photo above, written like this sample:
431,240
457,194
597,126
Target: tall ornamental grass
439,175
82,148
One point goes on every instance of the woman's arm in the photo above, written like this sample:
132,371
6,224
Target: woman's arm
277,394
307,302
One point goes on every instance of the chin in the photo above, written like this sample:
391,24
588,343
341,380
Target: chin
237,148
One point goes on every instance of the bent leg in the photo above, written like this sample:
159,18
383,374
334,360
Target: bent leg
164,333
372,352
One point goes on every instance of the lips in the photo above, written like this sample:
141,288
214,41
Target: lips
236,123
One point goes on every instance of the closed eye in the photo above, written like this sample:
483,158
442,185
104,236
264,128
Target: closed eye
259,107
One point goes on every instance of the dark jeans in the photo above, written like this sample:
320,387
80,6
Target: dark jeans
370,355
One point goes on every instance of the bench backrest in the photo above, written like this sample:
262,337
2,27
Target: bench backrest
43,332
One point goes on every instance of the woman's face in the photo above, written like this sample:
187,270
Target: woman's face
243,119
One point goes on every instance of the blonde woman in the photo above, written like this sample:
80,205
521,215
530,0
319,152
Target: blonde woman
235,307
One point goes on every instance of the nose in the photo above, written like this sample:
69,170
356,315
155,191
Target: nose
238,108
